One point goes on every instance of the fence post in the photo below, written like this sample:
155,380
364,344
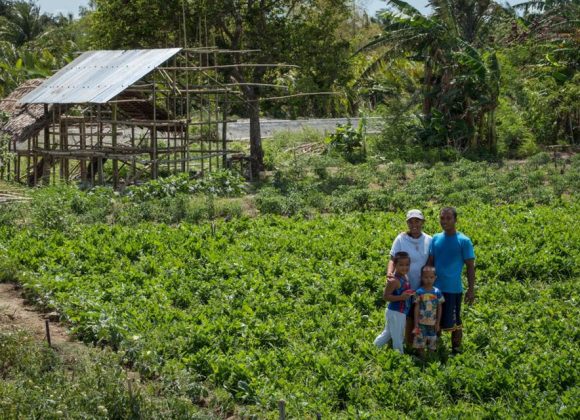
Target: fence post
46,324
282,409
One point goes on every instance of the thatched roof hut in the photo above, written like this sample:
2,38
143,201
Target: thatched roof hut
25,120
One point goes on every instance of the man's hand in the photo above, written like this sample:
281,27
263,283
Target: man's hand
437,327
470,296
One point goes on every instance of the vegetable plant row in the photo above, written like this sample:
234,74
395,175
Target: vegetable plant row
275,308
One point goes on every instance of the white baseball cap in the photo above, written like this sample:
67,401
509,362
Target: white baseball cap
415,214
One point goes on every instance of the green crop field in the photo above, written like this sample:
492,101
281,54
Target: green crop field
257,310
235,266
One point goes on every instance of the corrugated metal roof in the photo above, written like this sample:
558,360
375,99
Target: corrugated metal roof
98,76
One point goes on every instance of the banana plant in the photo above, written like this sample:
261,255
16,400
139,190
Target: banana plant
460,85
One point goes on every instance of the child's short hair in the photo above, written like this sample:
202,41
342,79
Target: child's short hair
427,267
401,255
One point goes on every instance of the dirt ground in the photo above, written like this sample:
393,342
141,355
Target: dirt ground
16,315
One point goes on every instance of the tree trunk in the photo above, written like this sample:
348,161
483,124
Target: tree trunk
427,88
492,132
256,151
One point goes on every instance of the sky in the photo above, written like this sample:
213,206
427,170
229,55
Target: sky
72,6
61,6
373,5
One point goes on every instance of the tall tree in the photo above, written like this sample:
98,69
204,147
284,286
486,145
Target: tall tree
279,31
32,44
547,45
118,24
275,29
461,72
23,23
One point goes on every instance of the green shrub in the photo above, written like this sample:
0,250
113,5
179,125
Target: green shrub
51,207
538,160
269,201
197,210
348,141
219,183
229,208
514,136
12,213
39,382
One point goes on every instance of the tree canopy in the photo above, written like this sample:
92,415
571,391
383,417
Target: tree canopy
472,74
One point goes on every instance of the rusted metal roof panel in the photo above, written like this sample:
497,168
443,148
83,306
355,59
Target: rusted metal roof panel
98,76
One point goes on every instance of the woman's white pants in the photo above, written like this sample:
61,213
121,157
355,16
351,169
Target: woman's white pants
394,330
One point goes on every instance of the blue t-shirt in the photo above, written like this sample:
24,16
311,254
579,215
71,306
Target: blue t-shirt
450,253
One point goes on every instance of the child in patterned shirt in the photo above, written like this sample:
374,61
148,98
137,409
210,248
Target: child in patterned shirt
428,300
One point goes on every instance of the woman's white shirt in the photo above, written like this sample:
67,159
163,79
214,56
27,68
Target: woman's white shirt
418,250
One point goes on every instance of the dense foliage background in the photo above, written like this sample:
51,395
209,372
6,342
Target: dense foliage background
475,75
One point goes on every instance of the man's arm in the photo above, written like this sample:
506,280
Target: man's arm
439,313
416,309
470,295
396,247
391,269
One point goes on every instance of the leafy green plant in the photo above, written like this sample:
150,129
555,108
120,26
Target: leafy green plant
349,141
220,183
254,306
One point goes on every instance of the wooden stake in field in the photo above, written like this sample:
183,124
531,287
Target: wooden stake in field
47,325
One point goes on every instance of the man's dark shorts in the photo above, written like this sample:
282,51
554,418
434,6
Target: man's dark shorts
451,311
411,314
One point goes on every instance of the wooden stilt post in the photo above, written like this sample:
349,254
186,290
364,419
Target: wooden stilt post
154,160
46,159
35,160
133,163
83,146
64,146
114,144
99,160
47,327
225,132
16,163
28,158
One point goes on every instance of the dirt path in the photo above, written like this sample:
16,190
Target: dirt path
16,315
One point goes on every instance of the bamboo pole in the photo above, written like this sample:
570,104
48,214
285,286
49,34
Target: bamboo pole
154,167
83,145
100,144
16,163
45,164
134,164
114,143
217,50
229,66
35,161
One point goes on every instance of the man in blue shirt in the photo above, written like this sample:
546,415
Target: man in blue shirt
450,250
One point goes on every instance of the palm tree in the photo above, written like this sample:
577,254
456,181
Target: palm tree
461,74
553,28
23,23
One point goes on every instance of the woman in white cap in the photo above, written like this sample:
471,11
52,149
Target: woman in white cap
415,243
